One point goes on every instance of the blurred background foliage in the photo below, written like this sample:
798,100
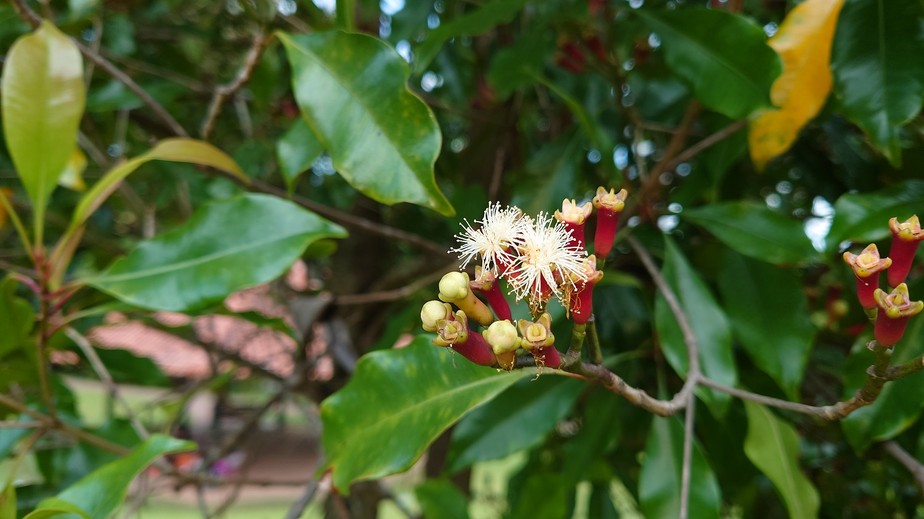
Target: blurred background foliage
537,101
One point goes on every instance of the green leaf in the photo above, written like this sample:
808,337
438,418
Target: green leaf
440,499
227,245
864,217
43,100
600,428
16,318
518,419
769,314
102,491
472,23
755,230
351,89
710,326
723,56
518,65
8,502
773,447
901,401
190,151
397,403
878,73
296,150
54,507
659,481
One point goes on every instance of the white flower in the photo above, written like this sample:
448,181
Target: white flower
548,262
494,241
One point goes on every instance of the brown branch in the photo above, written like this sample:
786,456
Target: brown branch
33,19
907,460
21,424
74,432
686,466
223,92
705,143
395,293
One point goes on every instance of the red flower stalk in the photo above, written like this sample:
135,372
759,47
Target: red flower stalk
866,267
905,238
609,205
537,338
582,302
894,310
574,217
470,344
485,282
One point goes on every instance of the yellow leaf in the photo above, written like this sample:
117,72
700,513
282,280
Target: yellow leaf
804,45
72,177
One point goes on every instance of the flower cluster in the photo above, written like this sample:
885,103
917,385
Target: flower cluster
889,310
539,258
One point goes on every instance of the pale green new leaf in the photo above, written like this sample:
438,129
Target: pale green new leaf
773,446
43,97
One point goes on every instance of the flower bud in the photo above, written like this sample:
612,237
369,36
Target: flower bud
470,344
905,238
574,217
432,312
866,267
454,288
895,309
538,339
503,338
609,204
581,304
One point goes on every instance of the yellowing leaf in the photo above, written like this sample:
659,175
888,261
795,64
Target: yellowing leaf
72,177
804,44
8,194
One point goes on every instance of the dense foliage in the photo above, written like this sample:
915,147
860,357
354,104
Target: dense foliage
159,156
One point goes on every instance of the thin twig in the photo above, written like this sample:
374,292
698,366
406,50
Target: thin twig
395,293
705,143
223,92
67,429
299,506
902,456
686,467
22,424
106,378
33,19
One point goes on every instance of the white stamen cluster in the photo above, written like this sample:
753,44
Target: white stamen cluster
494,241
536,256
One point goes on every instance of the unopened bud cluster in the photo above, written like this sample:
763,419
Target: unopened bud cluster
890,310
539,258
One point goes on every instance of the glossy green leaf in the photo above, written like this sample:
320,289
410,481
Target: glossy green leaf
101,492
773,447
190,151
878,73
900,403
519,418
43,96
473,23
54,507
600,429
769,314
16,317
864,217
296,150
440,499
659,481
710,326
755,230
397,403
227,245
723,56
352,92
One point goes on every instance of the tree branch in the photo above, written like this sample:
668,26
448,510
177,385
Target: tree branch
907,460
223,92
